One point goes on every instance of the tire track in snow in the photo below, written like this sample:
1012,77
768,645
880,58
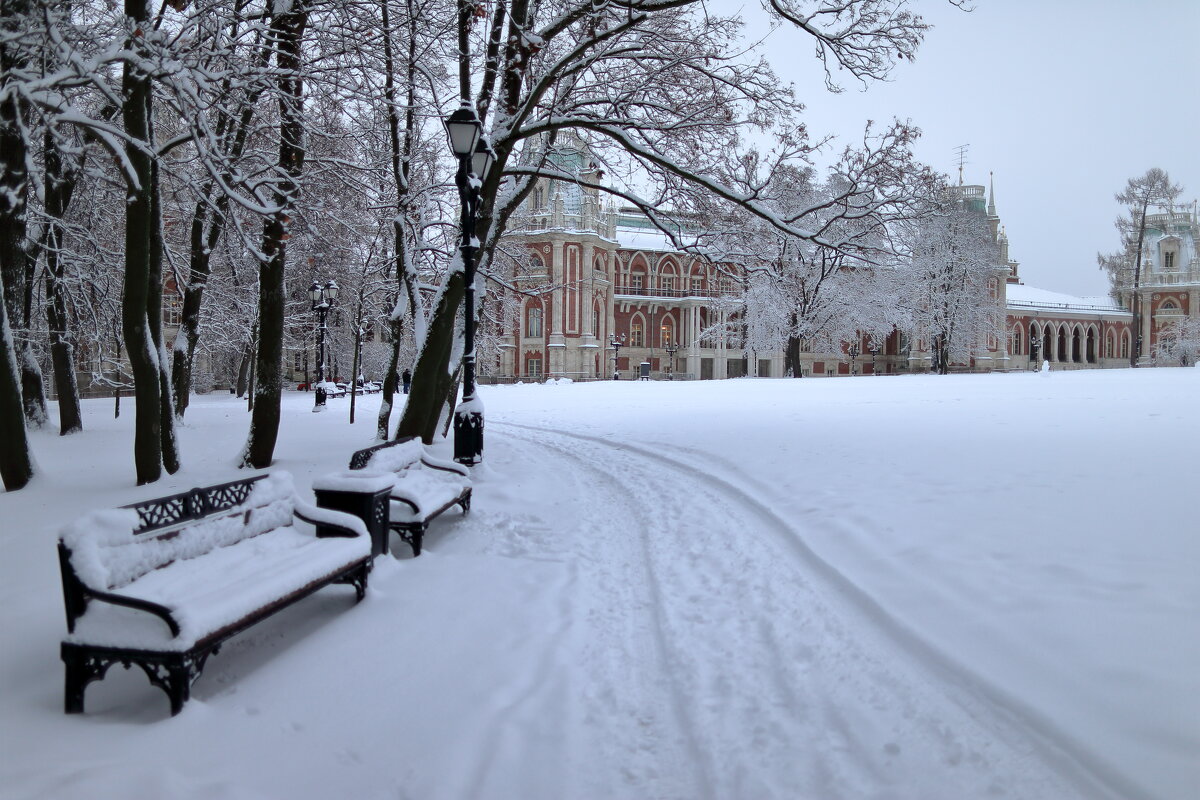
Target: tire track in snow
643,728
805,655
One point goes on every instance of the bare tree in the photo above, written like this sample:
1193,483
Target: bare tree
1178,343
952,282
287,32
1124,267
659,88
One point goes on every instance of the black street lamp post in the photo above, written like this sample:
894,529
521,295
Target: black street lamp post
853,355
671,349
1035,345
475,158
322,298
616,343
874,352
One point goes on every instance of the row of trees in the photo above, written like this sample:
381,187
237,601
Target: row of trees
226,153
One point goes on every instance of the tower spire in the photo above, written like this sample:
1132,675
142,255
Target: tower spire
991,195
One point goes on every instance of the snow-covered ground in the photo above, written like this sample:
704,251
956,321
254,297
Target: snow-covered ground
911,587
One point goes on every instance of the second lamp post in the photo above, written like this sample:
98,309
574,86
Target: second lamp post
475,158
322,300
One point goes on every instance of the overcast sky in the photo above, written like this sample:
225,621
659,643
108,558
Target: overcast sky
1063,100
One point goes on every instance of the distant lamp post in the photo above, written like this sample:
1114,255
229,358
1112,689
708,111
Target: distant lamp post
1035,346
322,298
475,157
853,355
874,352
616,343
671,349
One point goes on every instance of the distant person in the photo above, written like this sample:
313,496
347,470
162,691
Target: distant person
406,379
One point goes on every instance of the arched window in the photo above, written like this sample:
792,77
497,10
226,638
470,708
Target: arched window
637,336
1108,345
533,322
666,332
596,330
1125,345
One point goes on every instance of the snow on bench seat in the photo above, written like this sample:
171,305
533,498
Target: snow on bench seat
164,582
208,593
424,486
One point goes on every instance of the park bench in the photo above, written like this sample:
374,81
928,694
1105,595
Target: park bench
425,486
163,583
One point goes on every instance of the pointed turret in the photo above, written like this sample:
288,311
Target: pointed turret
991,194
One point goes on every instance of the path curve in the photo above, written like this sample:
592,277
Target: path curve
721,658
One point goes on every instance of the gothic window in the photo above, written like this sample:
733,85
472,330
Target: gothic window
533,323
533,367
1125,345
636,337
1169,260
596,322
635,283
1108,346
172,310
666,332
667,283
697,284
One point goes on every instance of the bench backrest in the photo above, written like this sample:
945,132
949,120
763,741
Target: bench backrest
394,456
108,549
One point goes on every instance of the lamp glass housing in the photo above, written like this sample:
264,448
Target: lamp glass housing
331,290
463,130
314,292
482,159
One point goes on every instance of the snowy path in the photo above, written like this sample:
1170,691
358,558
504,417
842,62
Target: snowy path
714,660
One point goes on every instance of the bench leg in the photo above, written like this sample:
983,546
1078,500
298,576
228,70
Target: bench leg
81,669
179,686
417,535
175,675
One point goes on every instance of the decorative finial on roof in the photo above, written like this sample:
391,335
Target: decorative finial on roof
991,195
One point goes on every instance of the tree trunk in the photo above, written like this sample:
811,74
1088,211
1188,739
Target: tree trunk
287,30
16,464
244,369
390,379
139,210
791,357
167,440
59,187
1135,302
401,153
431,377
15,264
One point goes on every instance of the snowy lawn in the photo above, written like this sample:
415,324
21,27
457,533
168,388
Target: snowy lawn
875,587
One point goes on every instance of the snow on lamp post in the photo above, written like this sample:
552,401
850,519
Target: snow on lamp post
322,298
475,157
874,352
853,355
616,343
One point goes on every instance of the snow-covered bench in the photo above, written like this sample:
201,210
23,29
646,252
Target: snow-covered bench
424,488
162,584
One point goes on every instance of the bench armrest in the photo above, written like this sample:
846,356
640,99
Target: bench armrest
315,515
445,466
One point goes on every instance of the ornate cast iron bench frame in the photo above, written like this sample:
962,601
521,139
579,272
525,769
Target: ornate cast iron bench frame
414,532
175,671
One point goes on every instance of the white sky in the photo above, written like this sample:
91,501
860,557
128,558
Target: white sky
1063,100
